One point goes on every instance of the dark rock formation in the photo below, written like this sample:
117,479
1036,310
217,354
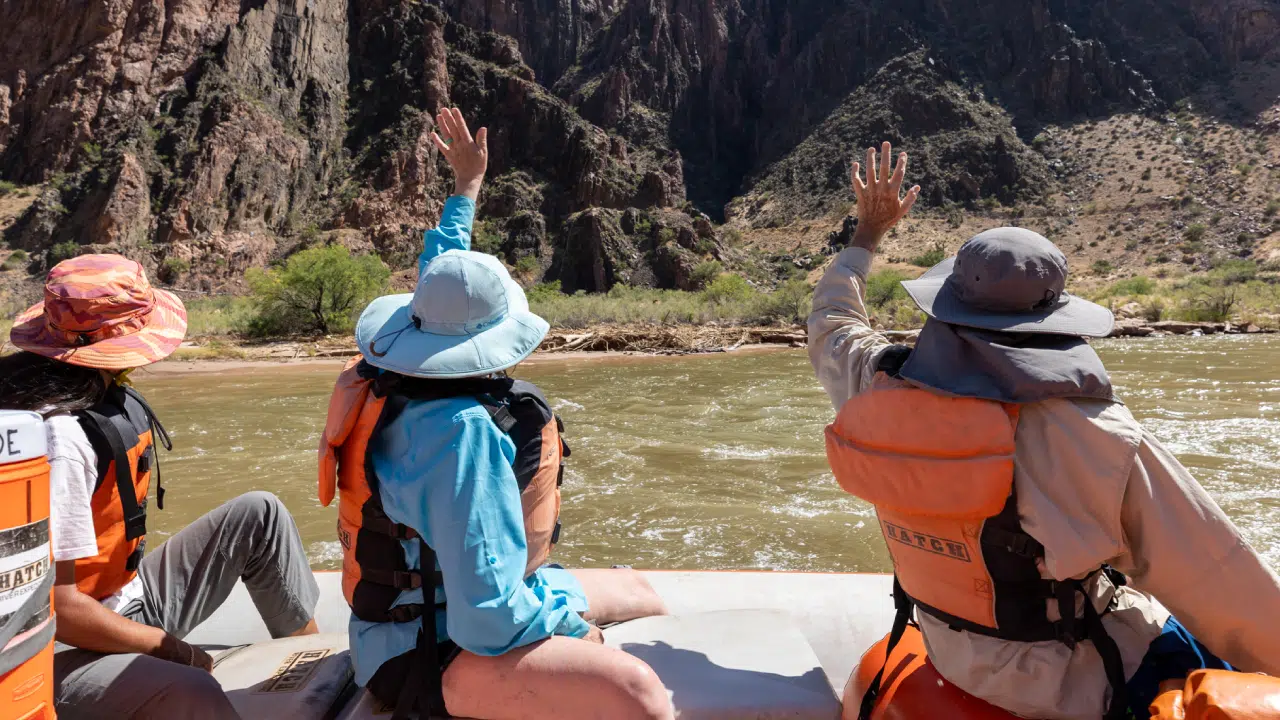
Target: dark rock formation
551,33
227,133
963,148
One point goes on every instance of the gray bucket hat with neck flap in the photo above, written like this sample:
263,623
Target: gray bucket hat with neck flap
1011,280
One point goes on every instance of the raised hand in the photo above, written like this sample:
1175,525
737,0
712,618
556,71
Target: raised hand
880,201
467,155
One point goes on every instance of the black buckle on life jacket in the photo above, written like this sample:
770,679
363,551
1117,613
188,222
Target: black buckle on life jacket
136,526
1116,577
555,534
560,476
503,418
1067,629
406,579
405,613
1016,543
135,558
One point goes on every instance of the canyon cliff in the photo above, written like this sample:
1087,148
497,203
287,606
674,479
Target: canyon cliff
205,137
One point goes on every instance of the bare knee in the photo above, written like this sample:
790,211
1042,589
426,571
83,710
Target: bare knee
647,600
642,694
258,504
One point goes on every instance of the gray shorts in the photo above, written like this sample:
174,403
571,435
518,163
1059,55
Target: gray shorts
251,538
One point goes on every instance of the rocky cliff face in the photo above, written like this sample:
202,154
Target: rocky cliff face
207,137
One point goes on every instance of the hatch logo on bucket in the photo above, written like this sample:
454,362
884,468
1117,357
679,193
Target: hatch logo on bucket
24,563
28,574
294,671
928,543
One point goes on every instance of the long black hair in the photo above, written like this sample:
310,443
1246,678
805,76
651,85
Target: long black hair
33,382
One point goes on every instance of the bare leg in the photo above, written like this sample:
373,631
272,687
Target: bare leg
618,595
561,678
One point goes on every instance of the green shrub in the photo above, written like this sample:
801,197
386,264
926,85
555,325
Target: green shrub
63,251
219,316
666,235
1272,208
174,267
789,303
1102,267
884,287
1210,305
1233,272
643,225
6,187
318,290
705,273
16,259
1153,309
728,288
931,257
486,240
527,265
1195,233
1130,287
544,292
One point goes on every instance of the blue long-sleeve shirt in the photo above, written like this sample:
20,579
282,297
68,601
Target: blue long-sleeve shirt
444,469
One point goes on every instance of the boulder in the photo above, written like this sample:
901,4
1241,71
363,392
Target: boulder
1129,310
596,254
1131,327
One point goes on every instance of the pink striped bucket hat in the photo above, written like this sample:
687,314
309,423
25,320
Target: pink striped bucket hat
99,311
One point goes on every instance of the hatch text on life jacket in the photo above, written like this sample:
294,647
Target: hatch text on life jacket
928,543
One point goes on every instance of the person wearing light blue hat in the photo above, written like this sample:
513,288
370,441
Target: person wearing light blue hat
455,468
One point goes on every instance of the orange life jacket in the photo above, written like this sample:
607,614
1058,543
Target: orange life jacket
1219,695
123,430
374,569
939,471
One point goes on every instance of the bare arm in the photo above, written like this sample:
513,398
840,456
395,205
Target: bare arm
843,348
84,623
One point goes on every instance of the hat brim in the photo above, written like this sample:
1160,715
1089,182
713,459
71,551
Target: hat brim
1071,316
422,354
164,331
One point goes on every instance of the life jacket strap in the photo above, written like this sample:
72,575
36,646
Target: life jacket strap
424,685
135,512
1069,630
1112,662
903,605
158,436
384,525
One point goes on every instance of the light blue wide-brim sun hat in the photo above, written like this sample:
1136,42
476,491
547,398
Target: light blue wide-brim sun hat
466,318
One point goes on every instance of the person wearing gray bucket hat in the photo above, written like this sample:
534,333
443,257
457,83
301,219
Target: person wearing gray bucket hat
1008,479
441,461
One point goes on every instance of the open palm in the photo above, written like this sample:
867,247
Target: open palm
880,201
467,155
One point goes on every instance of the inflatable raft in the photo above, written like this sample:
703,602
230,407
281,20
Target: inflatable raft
757,645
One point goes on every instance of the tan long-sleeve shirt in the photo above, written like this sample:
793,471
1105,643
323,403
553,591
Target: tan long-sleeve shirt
1093,487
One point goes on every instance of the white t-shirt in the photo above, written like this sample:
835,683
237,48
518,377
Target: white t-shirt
73,475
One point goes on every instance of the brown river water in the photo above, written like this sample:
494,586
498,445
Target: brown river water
711,462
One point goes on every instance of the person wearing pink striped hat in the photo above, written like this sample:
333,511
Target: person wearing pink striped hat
122,614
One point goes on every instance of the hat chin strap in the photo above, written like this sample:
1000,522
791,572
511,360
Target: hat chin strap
394,335
1050,299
